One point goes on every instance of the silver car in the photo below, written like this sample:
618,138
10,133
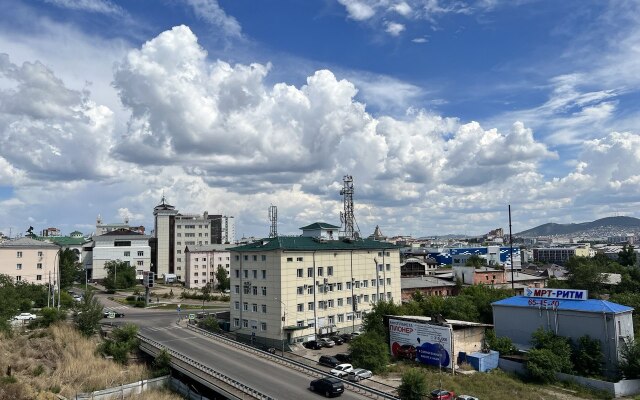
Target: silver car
359,374
466,397
324,342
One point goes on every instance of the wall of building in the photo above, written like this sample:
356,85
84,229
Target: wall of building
468,339
201,267
138,254
33,265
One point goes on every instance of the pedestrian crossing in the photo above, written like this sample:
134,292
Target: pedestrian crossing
162,328
117,308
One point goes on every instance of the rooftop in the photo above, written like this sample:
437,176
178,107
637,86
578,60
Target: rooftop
208,248
302,243
424,282
590,305
26,242
453,322
319,225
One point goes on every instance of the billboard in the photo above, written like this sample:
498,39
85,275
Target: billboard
421,341
558,294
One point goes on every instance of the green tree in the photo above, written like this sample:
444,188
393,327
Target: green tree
210,324
121,342
557,345
542,365
627,256
631,299
223,278
370,351
587,357
87,314
462,308
629,364
482,296
502,345
414,385
120,275
585,273
476,261
10,304
162,363
373,321
70,268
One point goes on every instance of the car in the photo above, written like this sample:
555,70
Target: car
439,394
328,361
407,351
227,291
325,342
466,397
346,337
337,340
77,297
312,344
359,374
117,314
25,316
329,386
343,357
341,370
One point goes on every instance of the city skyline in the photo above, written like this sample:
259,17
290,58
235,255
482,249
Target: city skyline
444,112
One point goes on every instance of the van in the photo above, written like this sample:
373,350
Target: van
328,361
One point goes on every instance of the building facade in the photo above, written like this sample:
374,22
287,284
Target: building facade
294,289
118,245
202,263
427,286
560,255
29,260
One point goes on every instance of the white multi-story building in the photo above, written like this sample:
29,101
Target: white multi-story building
118,245
202,263
102,228
175,231
29,260
294,289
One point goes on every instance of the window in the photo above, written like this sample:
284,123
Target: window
264,257
339,286
236,322
388,296
373,298
309,272
255,274
204,258
246,274
120,243
179,251
300,290
348,285
246,257
299,273
329,271
19,254
320,271
195,274
380,281
379,254
264,274
373,283
387,254
18,278
196,258
366,298
237,273
237,257
245,306
264,290
245,323
309,289
18,266
39,265
300,307
127,253
38,277
289,259
236,289
388,267
340,302
255,257
330,303
340,317
195,281
299,259
254,307
236,305
380,267
349,300
263,326
199,234
141,254
350,317
331,319
179,226
254,290
365,283
264,308
246,289
389,281
310,305
357,284
179,259
299,324
140,262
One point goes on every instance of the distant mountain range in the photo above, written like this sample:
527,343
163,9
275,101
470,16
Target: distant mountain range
609,226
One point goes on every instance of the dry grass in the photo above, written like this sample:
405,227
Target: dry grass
60,360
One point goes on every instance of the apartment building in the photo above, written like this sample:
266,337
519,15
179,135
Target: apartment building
202,263
560,255
294,289
174,231
118,245
29,260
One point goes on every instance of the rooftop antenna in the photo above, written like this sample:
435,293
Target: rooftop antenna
273,218
347,218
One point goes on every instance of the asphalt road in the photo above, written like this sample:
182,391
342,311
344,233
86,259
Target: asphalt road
269,378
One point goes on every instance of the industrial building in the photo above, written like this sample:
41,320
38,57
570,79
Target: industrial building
568,315
560,255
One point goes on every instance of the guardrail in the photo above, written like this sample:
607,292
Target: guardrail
203,368
355,387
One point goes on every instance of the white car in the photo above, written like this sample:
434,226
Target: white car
324,342
466,397
359,374
25,316
77,297
342,370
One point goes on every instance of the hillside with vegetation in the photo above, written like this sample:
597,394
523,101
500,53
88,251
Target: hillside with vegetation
604,226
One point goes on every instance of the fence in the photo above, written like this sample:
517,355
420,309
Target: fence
124,391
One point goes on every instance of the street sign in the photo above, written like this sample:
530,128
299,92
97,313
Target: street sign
192,316
111,315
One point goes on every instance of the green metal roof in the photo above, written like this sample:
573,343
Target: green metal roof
63,240
303,243
319,225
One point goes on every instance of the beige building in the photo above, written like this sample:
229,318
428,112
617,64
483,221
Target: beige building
298,288
202,263
29,260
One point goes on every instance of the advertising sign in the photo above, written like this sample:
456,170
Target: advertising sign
422,342
557,294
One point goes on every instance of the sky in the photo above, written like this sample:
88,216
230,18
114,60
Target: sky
443,112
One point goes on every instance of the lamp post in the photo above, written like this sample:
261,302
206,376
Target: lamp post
282,322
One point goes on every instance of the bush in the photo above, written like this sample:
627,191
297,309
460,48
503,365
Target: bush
122,341
502,345
210,324
139,304
413,386
543,364
162,363
131,298
587,357
558,345
48,316
630,361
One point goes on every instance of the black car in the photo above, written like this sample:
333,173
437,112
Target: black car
117,314
329,361
312,344
337,340
329,386
343,357
346,337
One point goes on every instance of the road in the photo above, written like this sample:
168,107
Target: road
271,379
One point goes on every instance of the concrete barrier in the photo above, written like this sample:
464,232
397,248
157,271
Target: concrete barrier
124,391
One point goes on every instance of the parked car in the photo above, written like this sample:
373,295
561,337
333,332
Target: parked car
407,351
312,344
325,342
343,357
438,394
117,314
337,340
346,337
25,316
341,370
329,361
359,374
466,397
329,386
77,297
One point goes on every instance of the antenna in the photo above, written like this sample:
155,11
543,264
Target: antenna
273,218
347,218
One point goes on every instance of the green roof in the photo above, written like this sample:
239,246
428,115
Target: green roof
319,225
63,240
303,243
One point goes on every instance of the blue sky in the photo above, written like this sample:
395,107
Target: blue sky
444,112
